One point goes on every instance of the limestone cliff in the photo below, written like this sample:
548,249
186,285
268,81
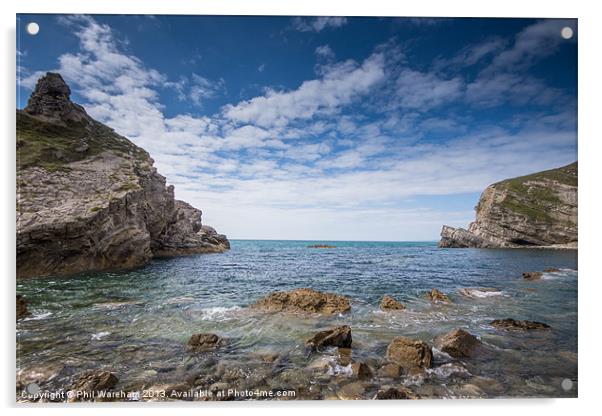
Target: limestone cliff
88,198
529,211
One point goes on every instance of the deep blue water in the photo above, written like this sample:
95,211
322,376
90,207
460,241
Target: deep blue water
136,322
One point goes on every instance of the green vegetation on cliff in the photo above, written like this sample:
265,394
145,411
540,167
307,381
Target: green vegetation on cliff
52,146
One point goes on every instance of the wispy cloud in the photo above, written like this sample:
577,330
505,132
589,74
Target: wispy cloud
317,24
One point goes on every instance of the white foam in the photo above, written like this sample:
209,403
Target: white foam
37,316
480,293
100,335
339,370
216,312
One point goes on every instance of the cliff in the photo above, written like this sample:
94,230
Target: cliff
88,198
538,210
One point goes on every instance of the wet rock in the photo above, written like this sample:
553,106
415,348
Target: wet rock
169,391
351,391
266,356
532,275
436,296
551,270
321,246
94,381
458,343
395,393
512,324
390,370
335,337
409,353
320,364
304,301
344,356
22,311
472,391
361,371
488,385
204,342
389,304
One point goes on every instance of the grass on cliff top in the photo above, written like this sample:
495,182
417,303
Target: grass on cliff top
535,201
52,146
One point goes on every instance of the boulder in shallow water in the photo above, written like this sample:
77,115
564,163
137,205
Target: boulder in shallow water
513,324
304,301
436,296
361,371
389,304
458,343
551,270
532,275
22,311
410,353
94,381
204,342
335,337
395,393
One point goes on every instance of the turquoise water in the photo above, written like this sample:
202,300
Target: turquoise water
136,322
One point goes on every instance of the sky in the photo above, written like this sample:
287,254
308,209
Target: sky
322,128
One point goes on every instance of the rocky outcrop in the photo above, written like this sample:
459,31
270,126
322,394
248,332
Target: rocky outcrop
458,343
513,324
335,337
389,304
538,210
204,343
88,198
436,296
532,275
409,353
304,301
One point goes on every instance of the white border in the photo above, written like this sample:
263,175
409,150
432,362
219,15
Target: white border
590,135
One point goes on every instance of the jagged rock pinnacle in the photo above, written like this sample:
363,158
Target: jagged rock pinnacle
50,101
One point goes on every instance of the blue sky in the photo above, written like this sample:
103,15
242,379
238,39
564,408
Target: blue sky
322,127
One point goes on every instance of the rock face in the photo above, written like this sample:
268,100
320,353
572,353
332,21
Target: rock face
335,337
389,304
304,301
528,211
410,354
204,342
88,198
458,343
512,324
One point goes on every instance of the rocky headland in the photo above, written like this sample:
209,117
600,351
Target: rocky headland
89,199
537,210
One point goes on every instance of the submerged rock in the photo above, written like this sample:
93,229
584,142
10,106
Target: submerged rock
22,311
436,296
529,211
512,324
352,391
335,337
458,343
390,370
551,270
94,381
532,275
389,304
395,393
409,353
204,342
39,374
304,301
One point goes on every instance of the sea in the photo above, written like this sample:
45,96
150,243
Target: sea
135,323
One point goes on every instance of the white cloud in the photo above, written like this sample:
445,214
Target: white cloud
338,87
317,24
325,52
423,91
